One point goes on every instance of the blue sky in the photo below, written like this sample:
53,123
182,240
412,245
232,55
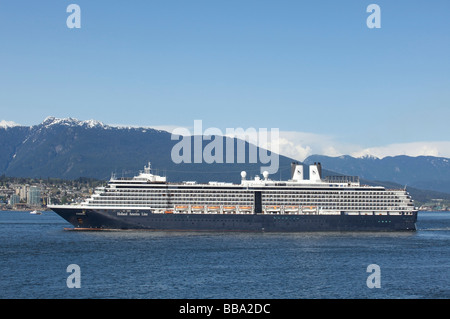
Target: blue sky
310,68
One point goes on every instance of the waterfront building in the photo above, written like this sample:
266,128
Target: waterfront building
34,196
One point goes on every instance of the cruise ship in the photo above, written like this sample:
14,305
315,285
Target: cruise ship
304,203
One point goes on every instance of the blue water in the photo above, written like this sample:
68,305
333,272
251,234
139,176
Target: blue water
35,251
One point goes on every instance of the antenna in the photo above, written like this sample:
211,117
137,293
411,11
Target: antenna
147,168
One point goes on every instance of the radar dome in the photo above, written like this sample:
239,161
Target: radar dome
266,174
243,174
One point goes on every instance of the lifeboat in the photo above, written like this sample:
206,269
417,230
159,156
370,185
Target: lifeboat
309,208
229,208
197,207
245,208
168,212
273,207
181,207
213,208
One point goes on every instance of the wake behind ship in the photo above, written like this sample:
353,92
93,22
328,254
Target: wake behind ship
333,203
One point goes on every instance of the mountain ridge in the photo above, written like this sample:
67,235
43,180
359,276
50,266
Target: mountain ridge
69,148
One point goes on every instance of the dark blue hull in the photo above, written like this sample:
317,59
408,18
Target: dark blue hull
88,219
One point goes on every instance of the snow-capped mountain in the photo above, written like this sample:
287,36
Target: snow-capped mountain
71,148
8,124
50,121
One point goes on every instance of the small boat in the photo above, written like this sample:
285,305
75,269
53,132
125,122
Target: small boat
35,212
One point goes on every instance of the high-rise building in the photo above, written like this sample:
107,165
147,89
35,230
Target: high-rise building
23,192
14,199
34,196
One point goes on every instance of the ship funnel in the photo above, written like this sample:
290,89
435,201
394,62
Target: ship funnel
315,172
296,172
